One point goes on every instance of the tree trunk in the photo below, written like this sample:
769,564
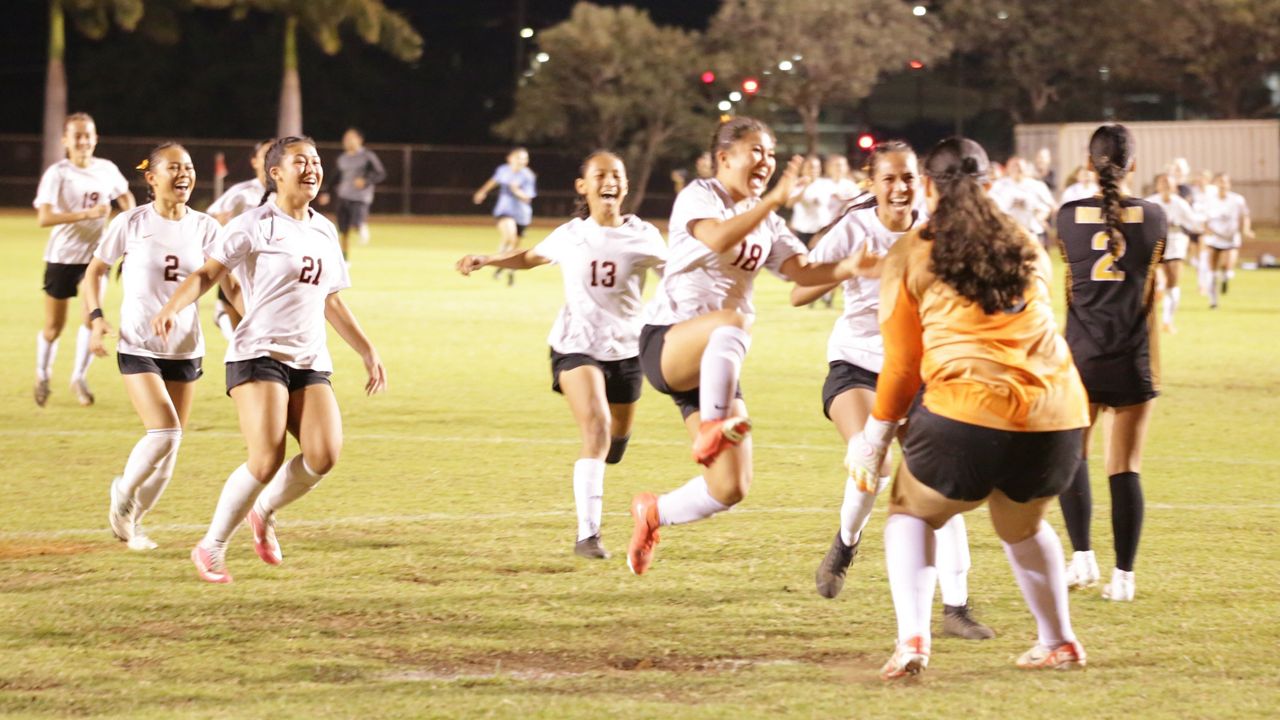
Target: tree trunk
55,87
654,139
289,121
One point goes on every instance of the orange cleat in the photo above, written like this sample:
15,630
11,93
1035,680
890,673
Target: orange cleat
909,658
644,510
1066,656
716,435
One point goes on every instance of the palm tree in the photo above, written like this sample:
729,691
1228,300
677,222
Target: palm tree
93,19
323,21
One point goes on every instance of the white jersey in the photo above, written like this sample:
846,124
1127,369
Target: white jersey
1079,191
814,206
1182,219
1022,199
238,198
68,188
1224,220
604,271
159,254
856,337
697,280
286,268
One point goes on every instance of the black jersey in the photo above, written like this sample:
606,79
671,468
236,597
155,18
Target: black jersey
1109,299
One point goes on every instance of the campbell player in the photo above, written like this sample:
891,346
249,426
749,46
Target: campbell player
74,198
604,258
239,198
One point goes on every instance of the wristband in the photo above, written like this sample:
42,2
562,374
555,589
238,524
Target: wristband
95,314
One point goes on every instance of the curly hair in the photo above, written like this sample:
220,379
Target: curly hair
1111,152
977,249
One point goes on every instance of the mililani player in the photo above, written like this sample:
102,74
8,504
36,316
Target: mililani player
517,187
1181,219
238,198
855,353
723,231
1112,245
278,366
603,256
1226,225
74,198
164,241
965,313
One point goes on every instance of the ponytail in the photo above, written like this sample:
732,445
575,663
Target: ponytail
272,159
149,162
1111,152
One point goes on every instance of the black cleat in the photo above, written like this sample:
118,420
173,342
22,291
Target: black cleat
1224,286
591,548
831,571
958,621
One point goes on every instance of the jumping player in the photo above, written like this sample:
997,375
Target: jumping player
165,241
517,187
74,198
1112,245
278,365
603,257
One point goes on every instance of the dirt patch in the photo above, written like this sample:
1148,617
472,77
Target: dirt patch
18,549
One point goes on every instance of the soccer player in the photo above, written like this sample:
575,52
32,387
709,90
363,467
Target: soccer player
1024,197
517,187
1181,219
359,170
165,242
604,257
1227,225
74,198
723,232
278,365
239,198
1112,245
1084,185
966,315
855,353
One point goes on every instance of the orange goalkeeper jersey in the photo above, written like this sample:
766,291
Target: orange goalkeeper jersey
1007,371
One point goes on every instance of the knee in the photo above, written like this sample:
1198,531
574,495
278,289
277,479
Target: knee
264,464
322,459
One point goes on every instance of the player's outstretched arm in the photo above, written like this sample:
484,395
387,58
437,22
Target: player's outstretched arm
196,284
344,321
517,259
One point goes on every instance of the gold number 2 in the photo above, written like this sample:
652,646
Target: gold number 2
1105,270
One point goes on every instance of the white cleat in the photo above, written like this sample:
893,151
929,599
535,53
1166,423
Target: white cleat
1121,588
120,516
909,658
1082,571
140,542
80,387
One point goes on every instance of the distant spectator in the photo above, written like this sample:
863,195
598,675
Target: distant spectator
1084,184
1024,198
1044,168
517,187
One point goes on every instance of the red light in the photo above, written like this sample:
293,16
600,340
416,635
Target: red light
915,64
751,86
866,141
708,77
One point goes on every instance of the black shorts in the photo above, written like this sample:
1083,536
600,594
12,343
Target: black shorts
519,228
1119,380
352,214
652,338
268,369
62,281
223,296
168,370
622,378
804,237
966,462
842,376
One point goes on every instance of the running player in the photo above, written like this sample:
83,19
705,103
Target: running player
278,365
1024,197
165,242
74,198
517,187
603,256
359,170
723,232
1181,221
1227,225
1112,244
855,354
238,199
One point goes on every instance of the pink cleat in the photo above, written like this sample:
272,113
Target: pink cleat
264,537
210,564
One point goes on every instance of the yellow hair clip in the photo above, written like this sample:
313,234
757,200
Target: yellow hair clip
146,163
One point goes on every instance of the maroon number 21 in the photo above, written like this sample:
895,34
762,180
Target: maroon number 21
311,265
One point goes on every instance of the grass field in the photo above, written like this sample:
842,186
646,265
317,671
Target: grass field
432,574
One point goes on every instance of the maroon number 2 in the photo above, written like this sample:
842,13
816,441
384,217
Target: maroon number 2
605,275
171,268
311,269
749,256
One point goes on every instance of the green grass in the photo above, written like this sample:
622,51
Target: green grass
431,574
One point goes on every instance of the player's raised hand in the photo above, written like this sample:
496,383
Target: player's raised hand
862,263
786,181
101,329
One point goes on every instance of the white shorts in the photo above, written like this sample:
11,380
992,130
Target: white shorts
1175,246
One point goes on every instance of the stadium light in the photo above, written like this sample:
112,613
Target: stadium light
915,65
725,106
866,141
785,66
1002,15
708,77
919,11
735,96
526,33
542,57
751,86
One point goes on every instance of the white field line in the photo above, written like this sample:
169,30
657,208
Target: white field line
833,446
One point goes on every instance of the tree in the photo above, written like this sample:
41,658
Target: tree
93,19
614,80
843,47
323,21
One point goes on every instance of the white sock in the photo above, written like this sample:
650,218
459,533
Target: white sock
1204,273
238,494
1231,274
223,320
855,511
721,365
1166,307
152,488
84,355
1213,288
148,456
1038,566
952,561
293,480
688,503
363,231
1174,297
45,353
588,495
908,554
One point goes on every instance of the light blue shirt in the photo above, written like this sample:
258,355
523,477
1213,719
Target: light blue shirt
508,204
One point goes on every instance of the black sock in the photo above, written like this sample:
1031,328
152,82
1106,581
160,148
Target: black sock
617,446
1077,508
1126,517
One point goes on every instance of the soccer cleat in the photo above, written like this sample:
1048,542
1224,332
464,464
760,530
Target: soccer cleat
1082,571
211,563
80,387
591,548
958,621
120,516
41,392
140,541
831,571
1066,656
1224,286
909,658
644,510
264,537
1121,588
716,435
